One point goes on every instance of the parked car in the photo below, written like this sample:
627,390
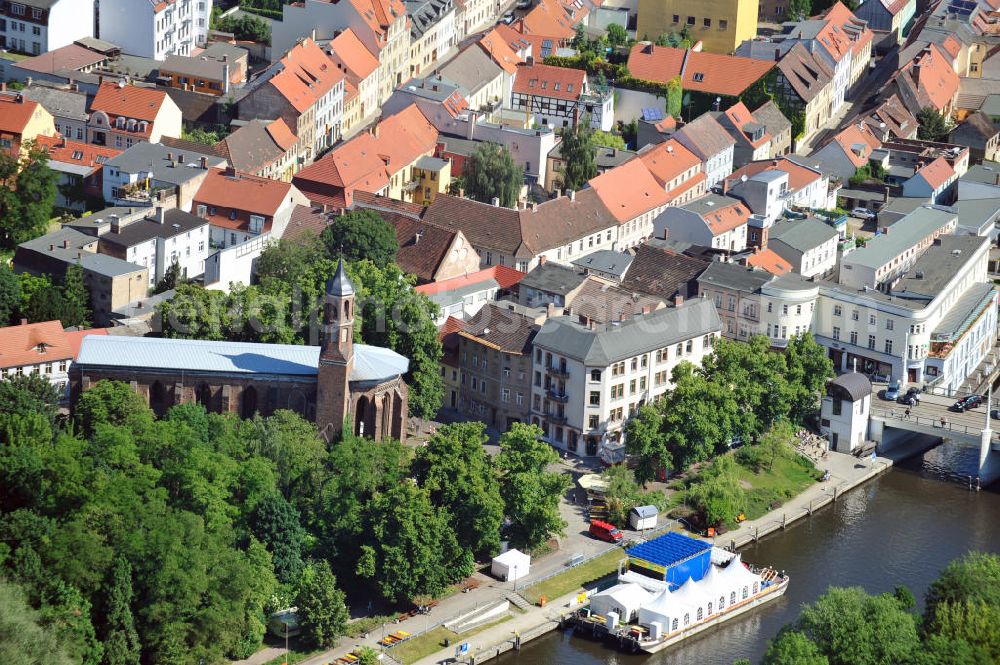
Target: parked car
995,414
911,398
523,4
863,213
508,18
967,402
605,531
892,392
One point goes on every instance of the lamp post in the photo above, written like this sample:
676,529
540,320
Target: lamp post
515,577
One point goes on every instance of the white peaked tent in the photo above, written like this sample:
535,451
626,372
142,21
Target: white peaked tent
663,609
511,565
623,599
734,578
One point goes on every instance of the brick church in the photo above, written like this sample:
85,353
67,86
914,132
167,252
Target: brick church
335,383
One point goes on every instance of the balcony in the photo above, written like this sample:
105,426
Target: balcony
557,396
558,418
555,370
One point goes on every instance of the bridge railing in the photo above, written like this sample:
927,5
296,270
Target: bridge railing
937,423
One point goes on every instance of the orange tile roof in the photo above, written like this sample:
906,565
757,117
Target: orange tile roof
769,260
19,345
951,46
937,172
704,72
668,160
726,218
799,176
129,101
75,338
15,115
378,15
74,152
304,75
859,33
548,18
353,164
500,51
932,75
450,326
687,185
505,276
282,135
356,60
404,137
740,116
550,81
834,40
859,135
629,190
241,192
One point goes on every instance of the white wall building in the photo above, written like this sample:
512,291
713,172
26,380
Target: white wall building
711,221
155,29
810,245
39,26
587,381
845,410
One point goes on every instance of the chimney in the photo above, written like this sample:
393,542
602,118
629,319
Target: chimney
204,162
461,193
27,82
180,158
24,322
496,202
572,195
647,309
52,247
230,172
3,86
534,207
225,75
65,244
170,156
542,259
74,86
678,299
159,215
418,236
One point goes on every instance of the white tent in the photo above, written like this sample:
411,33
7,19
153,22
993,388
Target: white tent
623,599
511,565
735,578
665,610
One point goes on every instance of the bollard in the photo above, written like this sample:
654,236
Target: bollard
782,521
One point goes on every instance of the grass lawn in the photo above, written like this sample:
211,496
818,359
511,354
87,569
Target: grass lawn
786,479
574,578
432,641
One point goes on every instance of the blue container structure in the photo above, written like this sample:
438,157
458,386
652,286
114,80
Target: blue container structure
673,557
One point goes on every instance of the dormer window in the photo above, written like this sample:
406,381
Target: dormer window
41,347
120,123
699,77
256,223
232,214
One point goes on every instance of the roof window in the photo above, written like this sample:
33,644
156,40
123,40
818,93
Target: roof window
698,77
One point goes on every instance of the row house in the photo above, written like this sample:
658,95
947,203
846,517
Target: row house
432,33
849,150
712,144
890,17
262,148
41,349
588,379
981,136
306,90
559,97
634,198
805,187
67,106
809,245
546,28
928,80
150,174
713,221
203,74
241,207
155,238
381,25
752,141
80,167
474,15
22,120
805,86
155,29
123,115
40,26
891,118
679,171
361,89
480,79
934,182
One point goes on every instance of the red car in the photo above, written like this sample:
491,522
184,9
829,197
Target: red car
605,531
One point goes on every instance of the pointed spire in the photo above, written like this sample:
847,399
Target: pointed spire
340,284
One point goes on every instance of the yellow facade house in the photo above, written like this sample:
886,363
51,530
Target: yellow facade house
21,120
721,25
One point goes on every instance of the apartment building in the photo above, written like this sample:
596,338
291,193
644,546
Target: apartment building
751,138
560,97
40,26
381,25
473,15
721,25
734,289
148,174
678,170
805,85
587,380
432,33
634,198
306,90
809,245
361,89
712,144
155,29
123,115
261,148
928,80
480,79
67,106
713,221
895,18
80,167
495,366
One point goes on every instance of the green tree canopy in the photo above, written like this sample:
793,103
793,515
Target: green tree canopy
322,612
27,194
617,36
799,9
577,151
121,641
931,125
361,234
793,648
10,294
23,638
490,172
246,27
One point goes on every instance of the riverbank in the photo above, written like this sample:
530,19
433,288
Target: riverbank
846,473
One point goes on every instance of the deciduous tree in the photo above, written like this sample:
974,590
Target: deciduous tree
577,151
121,641
322,613
27,194
361,234
491,173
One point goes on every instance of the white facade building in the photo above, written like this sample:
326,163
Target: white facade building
155,29
39,26
845,410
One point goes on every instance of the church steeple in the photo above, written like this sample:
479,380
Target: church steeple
336,358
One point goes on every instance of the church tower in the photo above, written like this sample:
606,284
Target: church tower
336,358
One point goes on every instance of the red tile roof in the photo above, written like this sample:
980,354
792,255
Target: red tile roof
858,136
450,326
15,115
727,218
283,137
629,190
241,192
129,101
770,261
356,60
500,51
20,345
668,161
549,19
75,338
937,173
304,75
740,116
505,276
931,78
352,165
704,72
73,152
404,137
799,176
550,81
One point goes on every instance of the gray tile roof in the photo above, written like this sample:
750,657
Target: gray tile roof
503,328
803,235
553,278
471,69
606,261
987,173
772,118
904,234
734,277
704,136
611,342
936,267
979,214
425,13
143,156
175,222
251,148
60,103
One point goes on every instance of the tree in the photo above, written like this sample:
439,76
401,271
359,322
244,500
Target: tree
29,394
10,295
172,276
531,494
608,140
617,36
622,494
718,496
799,9
27,194
490,172
23,639
275,522
700,416
246,27
361,234
808,368
964,602
931,125
66,611
454,468
646,443
111,403
121,641
322,613
577,152
367,656
793,648
76,299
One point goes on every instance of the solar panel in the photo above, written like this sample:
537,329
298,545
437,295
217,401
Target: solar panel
652,115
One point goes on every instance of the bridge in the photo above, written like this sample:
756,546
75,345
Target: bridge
892,423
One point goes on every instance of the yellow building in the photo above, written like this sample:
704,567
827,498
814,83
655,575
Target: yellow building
433,177
21,120
721,25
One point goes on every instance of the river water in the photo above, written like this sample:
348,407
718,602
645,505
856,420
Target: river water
900,528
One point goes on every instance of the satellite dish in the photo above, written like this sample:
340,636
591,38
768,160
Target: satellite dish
881,125
121,83
743,178
670,148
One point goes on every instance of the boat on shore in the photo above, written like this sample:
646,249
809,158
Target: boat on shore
673,587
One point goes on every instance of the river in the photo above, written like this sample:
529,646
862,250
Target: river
900,528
